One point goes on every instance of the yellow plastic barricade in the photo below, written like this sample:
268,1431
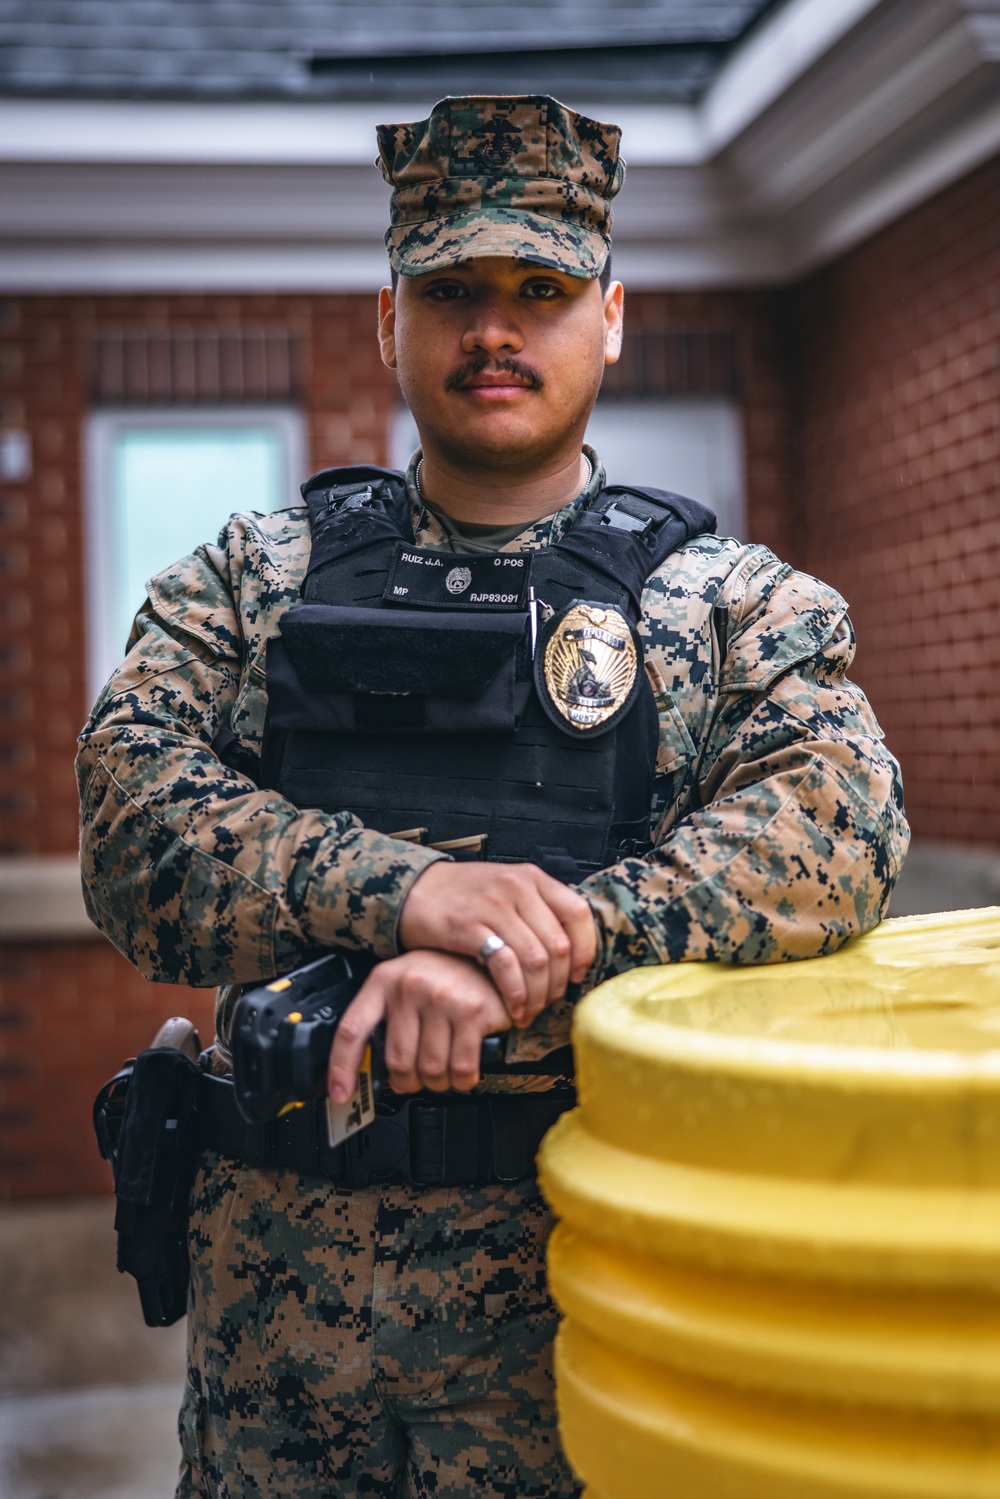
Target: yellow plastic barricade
778,1258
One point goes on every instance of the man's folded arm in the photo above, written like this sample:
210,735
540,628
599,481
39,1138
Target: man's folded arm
792,839
194,873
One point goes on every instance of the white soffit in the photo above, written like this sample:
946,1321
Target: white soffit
831,120
772,59
116,132
121,132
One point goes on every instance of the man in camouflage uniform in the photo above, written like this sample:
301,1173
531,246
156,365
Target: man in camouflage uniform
395,1341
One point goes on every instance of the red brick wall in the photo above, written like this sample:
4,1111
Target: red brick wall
45,343
900,489
70,1012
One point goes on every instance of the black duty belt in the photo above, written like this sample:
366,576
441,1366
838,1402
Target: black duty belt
432,1140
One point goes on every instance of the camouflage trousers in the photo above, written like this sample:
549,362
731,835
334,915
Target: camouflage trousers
392,1343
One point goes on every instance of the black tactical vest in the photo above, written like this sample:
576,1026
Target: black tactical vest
495,704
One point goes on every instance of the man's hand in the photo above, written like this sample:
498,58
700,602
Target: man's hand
548,928
437,1010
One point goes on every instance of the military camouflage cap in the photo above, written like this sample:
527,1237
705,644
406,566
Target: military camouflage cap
520,176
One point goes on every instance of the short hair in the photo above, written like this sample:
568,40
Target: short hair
604,279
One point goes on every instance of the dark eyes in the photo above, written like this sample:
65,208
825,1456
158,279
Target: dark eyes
446,291
531,291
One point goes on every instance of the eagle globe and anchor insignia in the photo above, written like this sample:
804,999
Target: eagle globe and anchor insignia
587,667
498,142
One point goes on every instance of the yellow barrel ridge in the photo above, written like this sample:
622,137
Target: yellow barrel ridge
779,1250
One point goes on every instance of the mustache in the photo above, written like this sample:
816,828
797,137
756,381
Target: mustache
504,366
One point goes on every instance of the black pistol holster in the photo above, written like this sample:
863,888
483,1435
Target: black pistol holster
161,1110
145,1123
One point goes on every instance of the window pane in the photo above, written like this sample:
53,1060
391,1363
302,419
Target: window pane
692,447
173,488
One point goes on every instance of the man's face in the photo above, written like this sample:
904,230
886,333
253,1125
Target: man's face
500,361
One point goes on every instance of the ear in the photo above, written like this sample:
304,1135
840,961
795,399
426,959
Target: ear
614,315
387,326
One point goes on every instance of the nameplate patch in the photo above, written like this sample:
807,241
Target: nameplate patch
422,577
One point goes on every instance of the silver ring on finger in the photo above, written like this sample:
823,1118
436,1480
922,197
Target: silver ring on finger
489,948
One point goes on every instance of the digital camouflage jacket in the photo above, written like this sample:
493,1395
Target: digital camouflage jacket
777,812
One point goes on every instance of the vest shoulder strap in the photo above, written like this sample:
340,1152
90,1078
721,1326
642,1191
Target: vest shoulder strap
353,508
629,531
355,476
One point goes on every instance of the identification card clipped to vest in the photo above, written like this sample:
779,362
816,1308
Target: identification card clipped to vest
427,578
588,667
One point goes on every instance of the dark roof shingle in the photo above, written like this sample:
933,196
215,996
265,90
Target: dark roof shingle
645,50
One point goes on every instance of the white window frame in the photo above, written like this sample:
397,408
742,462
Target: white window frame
101,432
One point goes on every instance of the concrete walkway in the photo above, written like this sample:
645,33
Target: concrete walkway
88,1394
104,1443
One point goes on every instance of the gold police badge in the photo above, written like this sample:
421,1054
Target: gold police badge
587,667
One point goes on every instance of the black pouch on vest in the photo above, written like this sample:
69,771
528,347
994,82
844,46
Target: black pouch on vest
354,670
155,1164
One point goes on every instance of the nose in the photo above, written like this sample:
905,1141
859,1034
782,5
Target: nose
492,327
